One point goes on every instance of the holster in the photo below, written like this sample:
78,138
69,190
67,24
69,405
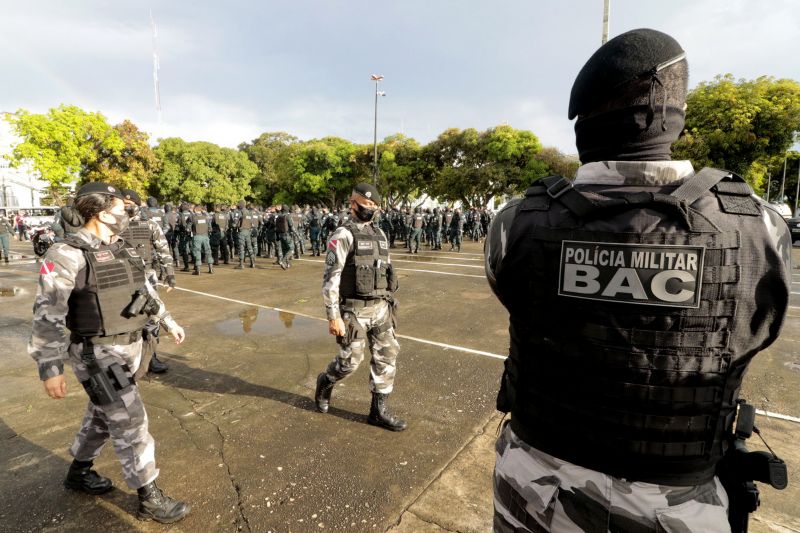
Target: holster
103,386
506,394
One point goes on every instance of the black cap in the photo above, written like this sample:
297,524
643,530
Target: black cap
132,196
632,55
99,187
368,191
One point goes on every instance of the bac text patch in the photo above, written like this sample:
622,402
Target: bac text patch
648,274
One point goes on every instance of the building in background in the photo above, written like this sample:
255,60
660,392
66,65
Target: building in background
19,187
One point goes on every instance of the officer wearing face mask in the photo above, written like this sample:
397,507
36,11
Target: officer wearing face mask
358,287
92,303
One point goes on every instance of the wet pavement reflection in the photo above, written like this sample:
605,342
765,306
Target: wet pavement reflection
262,322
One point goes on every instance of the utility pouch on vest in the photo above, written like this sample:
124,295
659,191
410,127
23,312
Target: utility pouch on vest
365,280
391,279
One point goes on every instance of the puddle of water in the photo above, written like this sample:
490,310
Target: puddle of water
263,322
9,291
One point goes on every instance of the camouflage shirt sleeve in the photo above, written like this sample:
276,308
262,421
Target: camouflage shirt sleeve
49,338
339,246
161,247
494,248
779,232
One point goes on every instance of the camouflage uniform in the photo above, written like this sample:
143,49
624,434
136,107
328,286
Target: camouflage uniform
6,230
384,345
534,491
125,421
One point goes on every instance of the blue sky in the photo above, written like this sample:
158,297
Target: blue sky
231,70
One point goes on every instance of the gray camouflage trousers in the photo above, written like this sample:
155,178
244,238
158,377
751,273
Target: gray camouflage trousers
534,491
383,345
125,421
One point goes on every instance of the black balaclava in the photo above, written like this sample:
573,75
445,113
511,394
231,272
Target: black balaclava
635,133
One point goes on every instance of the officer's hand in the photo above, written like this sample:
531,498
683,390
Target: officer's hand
336,327
171,282
178,334
56,387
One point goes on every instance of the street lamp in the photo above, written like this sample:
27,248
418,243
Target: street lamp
376,78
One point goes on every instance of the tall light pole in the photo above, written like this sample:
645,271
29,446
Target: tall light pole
376,78
606,17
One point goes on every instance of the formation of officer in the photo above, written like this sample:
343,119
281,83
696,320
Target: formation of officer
358,287
638,294
87,314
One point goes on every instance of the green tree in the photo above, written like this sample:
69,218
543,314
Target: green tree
401,169
557,163
64,144
745,126
201,172
271,152
474,166
132,167
323,171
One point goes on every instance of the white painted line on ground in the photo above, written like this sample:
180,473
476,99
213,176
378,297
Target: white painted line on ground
415,270
407,337
778,416
423,341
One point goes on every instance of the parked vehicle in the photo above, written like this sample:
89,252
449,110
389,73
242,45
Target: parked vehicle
42,238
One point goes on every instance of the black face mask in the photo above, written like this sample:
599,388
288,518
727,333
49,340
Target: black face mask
132,210
120,224
364,214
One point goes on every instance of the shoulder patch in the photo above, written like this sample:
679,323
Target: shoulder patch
330,258
48,267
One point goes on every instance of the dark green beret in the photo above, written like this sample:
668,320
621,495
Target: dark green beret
132,196
370,192
98,187
632,55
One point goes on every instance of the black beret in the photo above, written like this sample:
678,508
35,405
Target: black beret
132,196
152,202
99,187
370,192
624,58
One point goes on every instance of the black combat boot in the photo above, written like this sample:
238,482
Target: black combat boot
241,265
252,262
155,505
156,366
322,397
379,414
81,477
196,271
210,269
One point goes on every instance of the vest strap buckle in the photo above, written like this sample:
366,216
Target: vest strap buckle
559,187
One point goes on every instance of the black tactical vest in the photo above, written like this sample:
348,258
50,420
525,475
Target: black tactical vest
246,217
282,223
419,221
201,223
104,288
137,236
221,221
364,272
633,315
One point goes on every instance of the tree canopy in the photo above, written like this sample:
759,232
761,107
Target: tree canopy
65,144
201,172
744,126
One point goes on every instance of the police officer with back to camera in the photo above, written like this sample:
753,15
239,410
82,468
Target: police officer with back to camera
637,297
200,224
6,231
146,237
358,287
95,284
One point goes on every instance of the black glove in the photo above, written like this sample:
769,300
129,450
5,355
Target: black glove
171,281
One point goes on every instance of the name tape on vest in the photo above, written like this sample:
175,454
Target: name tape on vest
365,245
646,274
103,256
